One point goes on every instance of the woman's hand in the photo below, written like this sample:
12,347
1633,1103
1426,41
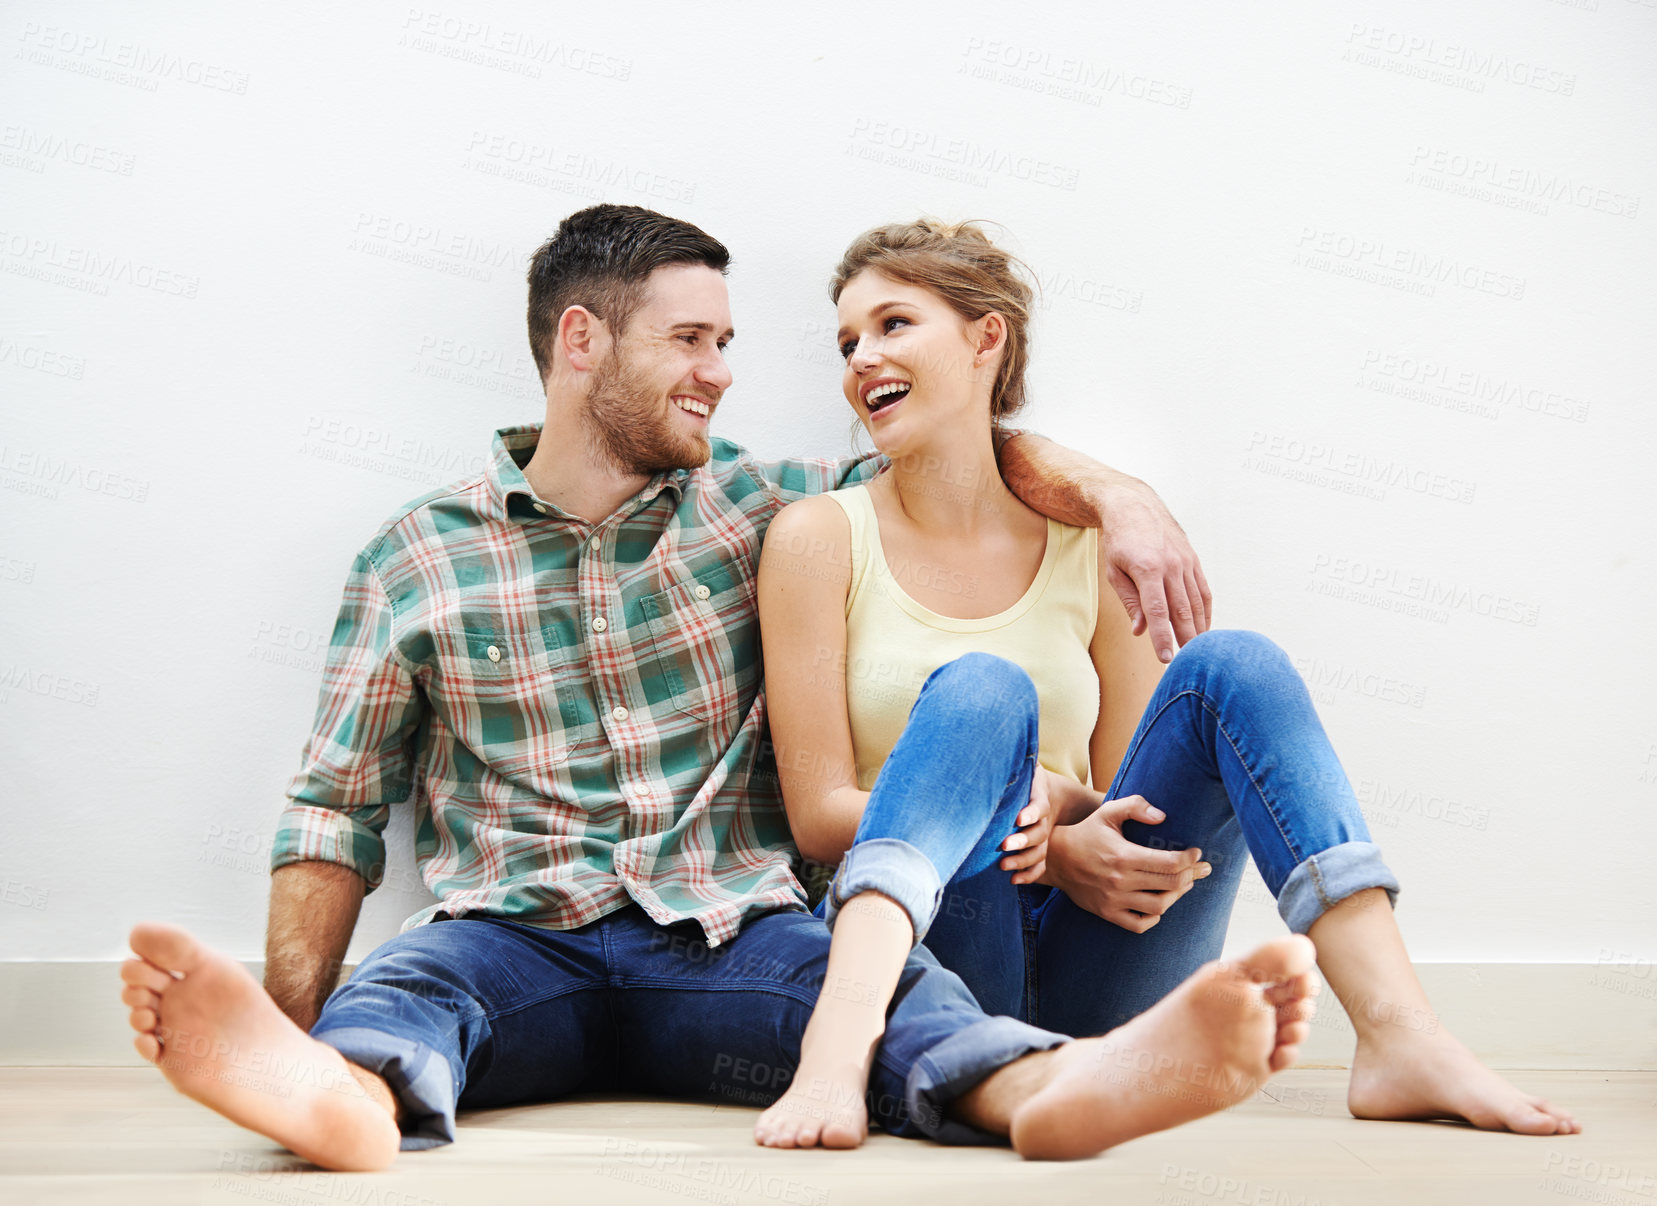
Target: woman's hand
1035,827
1127,884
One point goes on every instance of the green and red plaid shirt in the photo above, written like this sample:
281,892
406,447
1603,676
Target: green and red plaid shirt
573,709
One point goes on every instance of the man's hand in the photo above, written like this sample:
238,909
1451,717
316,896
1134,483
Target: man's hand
1153,567
1127,884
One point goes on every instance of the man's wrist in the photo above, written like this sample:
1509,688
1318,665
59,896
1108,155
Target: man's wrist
1058,859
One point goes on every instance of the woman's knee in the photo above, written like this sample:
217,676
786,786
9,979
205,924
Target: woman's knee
979,690
1235,653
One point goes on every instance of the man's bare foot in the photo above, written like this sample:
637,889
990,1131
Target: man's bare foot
824,1105
1417,1075
219,1038
1209,1044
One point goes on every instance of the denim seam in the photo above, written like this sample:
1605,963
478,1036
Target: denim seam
491,1015
804,997
1271,811
1317,882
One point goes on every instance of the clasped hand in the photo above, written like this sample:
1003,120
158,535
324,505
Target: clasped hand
1091,860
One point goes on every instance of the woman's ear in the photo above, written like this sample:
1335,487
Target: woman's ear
990,332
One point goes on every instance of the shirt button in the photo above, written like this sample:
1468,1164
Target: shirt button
701,592
494,653
644,790
600,623
541,507
618,713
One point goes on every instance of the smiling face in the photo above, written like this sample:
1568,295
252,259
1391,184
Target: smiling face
651,399
912,362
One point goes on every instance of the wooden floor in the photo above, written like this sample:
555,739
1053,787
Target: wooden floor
121,1135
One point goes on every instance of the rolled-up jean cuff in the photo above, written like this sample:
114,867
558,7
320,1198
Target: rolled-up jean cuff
960,1063
1329,877
893,868
419,1077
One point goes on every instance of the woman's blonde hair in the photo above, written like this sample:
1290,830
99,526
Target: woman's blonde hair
958,262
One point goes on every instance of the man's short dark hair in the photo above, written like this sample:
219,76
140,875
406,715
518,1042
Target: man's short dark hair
600,259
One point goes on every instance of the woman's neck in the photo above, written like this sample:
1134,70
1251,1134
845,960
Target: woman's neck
952,485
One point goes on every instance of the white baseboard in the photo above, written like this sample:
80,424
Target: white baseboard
1513,1015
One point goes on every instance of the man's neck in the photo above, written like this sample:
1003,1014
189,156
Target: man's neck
571,474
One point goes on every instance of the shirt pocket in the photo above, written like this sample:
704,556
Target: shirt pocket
704,641
501,697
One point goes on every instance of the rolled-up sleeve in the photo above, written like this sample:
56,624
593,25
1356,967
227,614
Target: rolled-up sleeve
359,759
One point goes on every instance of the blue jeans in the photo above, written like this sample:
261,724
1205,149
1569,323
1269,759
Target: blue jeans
478,1013
1230,748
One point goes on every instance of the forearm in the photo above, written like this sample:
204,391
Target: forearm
1059,482
313,910
828,830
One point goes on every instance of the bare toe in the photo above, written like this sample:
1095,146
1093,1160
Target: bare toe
1282,959
1296,988
146,1046
135,997
166,946
144,974
143,1020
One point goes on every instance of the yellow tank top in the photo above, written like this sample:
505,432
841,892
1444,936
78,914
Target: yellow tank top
893,643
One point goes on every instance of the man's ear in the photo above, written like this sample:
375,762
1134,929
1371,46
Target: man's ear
582,337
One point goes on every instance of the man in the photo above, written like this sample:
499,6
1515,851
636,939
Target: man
558,661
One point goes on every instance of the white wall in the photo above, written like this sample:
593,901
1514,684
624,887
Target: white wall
261,281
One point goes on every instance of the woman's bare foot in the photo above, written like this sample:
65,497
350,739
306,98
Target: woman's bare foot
219,1038
1209,1044
823,1105
1407,1066
1418,1075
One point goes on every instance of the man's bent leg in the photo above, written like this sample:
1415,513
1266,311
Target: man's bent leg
471,1014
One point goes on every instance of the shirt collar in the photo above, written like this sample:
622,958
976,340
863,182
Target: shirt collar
515,500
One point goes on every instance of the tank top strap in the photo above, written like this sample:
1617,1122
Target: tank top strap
860,513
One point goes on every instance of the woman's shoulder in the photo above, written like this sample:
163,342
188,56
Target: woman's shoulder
814,528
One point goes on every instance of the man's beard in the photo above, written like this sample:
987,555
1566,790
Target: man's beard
629,430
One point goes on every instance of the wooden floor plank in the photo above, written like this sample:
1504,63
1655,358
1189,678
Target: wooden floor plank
83,1135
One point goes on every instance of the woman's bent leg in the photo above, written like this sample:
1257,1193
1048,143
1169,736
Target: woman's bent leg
946,798
1232,751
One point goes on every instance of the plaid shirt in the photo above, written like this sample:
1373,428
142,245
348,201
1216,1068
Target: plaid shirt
574,709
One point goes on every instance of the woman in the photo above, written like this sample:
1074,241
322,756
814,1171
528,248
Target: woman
943,683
